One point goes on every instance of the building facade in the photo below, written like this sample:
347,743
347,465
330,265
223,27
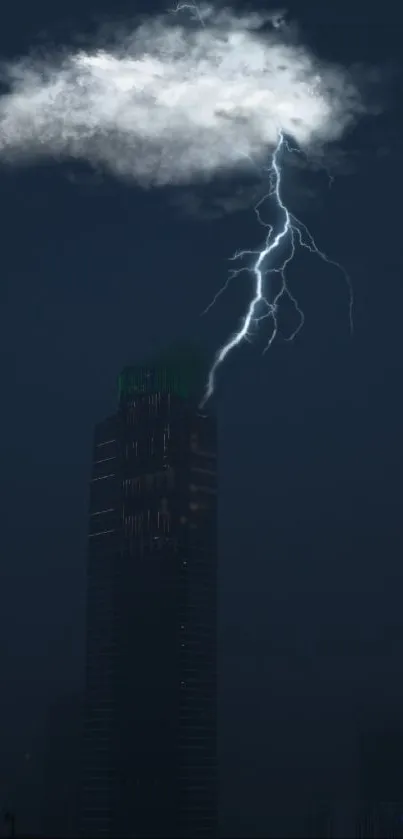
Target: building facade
150,742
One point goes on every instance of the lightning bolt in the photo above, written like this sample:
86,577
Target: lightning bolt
294,234
190,7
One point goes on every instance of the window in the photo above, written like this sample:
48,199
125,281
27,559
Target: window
101,512
101,533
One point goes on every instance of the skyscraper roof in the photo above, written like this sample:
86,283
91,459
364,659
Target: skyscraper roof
180,369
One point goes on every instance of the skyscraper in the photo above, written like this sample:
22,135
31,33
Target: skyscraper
150,759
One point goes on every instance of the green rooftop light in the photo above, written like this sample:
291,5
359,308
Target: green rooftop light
179,370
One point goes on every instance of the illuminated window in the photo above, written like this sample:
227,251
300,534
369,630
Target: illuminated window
101,512
166,438
133,448
101,533
129,526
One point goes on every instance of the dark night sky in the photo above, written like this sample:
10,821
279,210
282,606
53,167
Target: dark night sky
94,274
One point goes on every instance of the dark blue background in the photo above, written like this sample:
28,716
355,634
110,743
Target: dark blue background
94,274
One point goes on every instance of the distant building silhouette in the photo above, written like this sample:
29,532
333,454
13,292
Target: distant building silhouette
380,785
62,768
150,757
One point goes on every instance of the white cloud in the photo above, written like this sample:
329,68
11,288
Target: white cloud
177,100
